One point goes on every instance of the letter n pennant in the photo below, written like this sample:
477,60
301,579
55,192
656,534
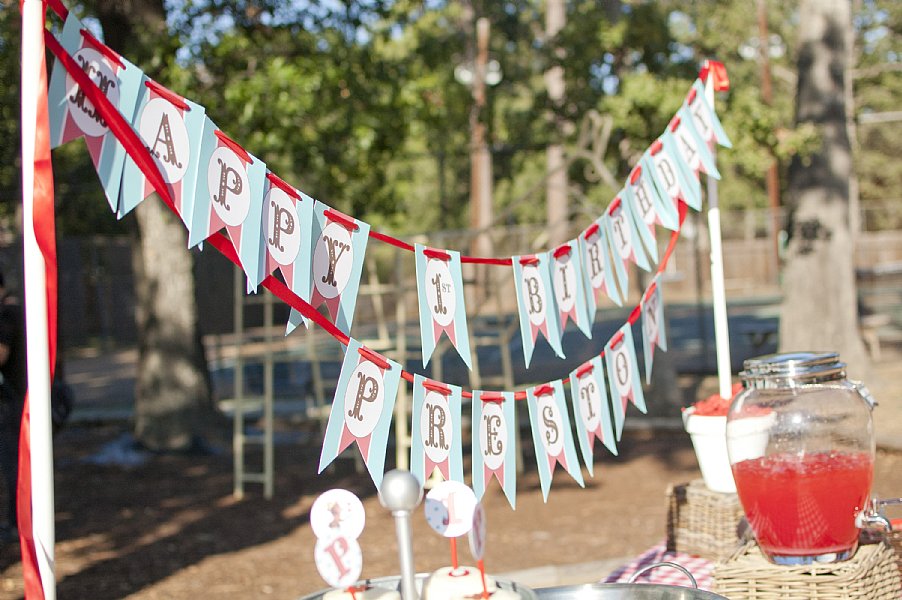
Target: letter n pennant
569,293
598,269
362,408
435,438
494,431
337,263
440,291
230,194
171,127
654,331
72,115
591,412
551,433
705,119
288,234
623,375
536,303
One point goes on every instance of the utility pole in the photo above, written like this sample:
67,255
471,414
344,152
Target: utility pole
480,157
556,201
772,177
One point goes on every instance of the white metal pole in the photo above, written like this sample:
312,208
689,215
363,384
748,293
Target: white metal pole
718,292
37,344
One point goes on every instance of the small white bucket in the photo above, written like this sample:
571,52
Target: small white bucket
709,438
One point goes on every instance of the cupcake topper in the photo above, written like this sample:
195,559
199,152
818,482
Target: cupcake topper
477,543
337,518
449,511
338,560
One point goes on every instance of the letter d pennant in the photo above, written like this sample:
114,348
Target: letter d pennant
362,408
494,439
551,433
435,438
623,375
589,397
535,301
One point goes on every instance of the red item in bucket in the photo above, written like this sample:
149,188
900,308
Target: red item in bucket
715,405
804,505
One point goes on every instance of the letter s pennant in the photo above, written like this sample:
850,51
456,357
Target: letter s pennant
494,439
435,432
440,292
171,128
551,433
591,411
362,408
73,116
535,300
623,375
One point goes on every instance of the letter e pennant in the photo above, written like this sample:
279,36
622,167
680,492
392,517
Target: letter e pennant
591,412
551,433
440,291
436,430
494,439
535,303
623,375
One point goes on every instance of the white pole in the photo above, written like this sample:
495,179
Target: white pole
718,293
37,346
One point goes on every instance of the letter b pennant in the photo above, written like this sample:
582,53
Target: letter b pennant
535,301
435,430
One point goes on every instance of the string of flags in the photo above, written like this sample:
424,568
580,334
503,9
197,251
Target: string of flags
214,184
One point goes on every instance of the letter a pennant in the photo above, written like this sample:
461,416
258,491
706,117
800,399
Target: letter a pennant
568,283
72,115
705,119
536,305
337,263
598,268
288,234
623,375
591,412
362,408
435,438
171,128
494,431
440,291
230,194
654,331
551,433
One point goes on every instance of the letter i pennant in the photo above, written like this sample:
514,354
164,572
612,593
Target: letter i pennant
567,280
591,412
654,331
598,268
494,440
72,115
535,303
551,433
362,408
230,194
337,264
436,430
171,128
288,234
440,291
623,375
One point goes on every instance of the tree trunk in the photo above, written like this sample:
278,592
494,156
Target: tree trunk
173,402
820,307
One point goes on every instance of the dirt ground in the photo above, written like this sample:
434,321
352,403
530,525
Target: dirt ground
170,527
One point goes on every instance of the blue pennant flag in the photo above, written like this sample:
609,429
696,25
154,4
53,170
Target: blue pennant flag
692,147
568,282
705,119
440,291
591,410
551,433
435,432
494,433
654,330
674,178
623,375
535,301
598,267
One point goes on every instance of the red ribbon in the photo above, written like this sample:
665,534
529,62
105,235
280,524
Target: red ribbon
718,73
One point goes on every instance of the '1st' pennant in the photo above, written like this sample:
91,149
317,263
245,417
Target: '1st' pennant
440,291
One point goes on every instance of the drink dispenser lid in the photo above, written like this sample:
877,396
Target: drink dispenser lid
808,367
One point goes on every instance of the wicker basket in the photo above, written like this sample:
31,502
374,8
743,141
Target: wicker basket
895,538
702,522
871,574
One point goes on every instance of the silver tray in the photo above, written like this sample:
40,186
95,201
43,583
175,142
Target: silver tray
394,583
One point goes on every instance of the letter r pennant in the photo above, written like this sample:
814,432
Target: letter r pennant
551,433
362,408
435,431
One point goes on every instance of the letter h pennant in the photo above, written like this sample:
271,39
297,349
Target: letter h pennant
654,331
589,397
288,234
569,293
171,128
535,303
598,268
362,408
435,439
230,194
338,251
73,116
623,375
440,293
551,433
494,434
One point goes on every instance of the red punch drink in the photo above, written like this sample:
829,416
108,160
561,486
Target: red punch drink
802,507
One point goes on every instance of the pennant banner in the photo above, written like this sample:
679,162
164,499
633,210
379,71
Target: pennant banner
705,119
623,375
551,433
440,291
435,438
362,408
598,268
654,331
568,283
535,304
692,147
673,177
172,129
591,411
288,234
73,115
494,436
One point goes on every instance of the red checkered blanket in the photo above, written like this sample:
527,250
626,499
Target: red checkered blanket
699,567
